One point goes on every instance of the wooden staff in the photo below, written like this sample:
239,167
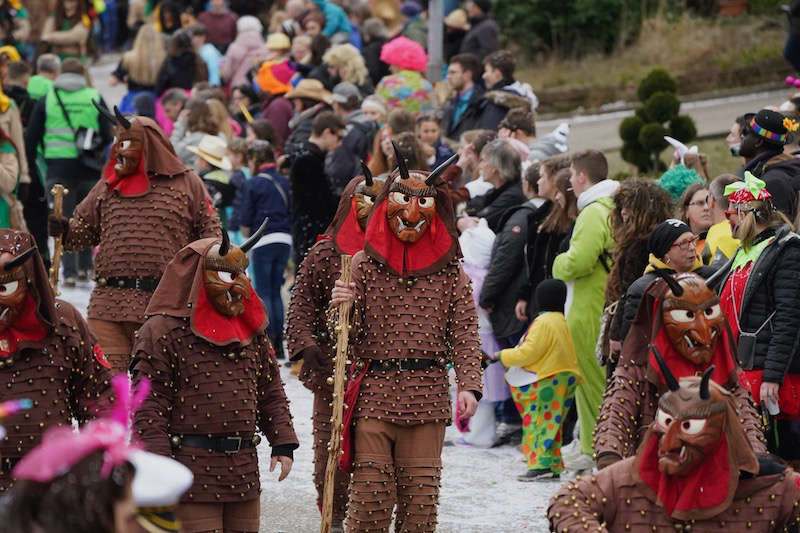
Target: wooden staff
339,369
58,191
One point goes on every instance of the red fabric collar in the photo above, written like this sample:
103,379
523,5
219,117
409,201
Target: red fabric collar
705,488
401,257
26,328
725,371
209,324
350,237
133,185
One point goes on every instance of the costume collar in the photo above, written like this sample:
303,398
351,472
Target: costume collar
602,189
134,185
349,238
751,254
210,325
26,330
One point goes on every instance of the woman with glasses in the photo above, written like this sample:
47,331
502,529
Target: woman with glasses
694,208
673,247
761,297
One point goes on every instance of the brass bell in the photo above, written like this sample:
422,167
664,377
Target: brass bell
256,439
175,440
329,380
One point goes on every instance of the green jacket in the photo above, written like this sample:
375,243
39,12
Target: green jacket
39,86
59,141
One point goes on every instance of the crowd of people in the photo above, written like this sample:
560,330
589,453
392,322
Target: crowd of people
566,307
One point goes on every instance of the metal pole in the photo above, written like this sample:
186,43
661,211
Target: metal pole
435,40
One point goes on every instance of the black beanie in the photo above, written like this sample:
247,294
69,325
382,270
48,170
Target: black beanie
768,124
664,236
551,295
484,5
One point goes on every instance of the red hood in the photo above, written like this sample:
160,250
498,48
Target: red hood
349,238
25,329
218,329
133,185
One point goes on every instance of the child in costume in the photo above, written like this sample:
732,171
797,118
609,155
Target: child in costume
542,375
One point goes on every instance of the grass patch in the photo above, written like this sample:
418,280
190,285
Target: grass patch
720,160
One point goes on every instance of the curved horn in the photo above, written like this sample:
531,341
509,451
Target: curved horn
714,279
673,284
367,173
21,258
104,111
704,393
225,245
124,122
401,162
669,377
255,237
438,171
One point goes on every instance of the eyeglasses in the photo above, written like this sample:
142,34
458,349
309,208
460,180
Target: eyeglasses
701,203
740,212
685,245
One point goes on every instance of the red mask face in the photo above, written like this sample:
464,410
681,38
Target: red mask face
127,150
410,208
13,292
365,199
693,321
688,428
227,284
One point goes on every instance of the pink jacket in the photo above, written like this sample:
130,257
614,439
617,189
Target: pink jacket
240,57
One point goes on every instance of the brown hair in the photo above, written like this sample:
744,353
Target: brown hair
199,118
698,163
686,198
553,164
559,219
504,61
592,163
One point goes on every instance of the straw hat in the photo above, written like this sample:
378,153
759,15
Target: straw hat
212,149
310,88
457,19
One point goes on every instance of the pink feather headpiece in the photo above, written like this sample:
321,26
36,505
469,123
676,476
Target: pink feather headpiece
62,447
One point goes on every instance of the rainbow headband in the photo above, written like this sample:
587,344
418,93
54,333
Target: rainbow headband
763,132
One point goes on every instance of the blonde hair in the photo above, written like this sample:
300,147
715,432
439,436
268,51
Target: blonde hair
762,212
348,60
144,60
219,115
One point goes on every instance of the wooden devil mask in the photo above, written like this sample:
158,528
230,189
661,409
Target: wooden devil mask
225,275
128,148
13,287
365,195
691,316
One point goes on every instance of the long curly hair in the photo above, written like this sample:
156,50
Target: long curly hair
349,61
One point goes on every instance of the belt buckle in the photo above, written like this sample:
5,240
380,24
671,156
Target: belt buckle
237,440
401,365
137,284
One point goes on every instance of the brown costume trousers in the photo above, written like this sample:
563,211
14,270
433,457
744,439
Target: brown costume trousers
322,437
230,517
395,464
116,340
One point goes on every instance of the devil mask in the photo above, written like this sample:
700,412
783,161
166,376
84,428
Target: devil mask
692,317
126,152
13,287
365,194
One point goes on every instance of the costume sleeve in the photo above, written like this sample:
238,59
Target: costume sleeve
537,343
750,420
785,337
274,418
152,359
462,335
588,241
621,412
84,226
583,504
789,513
90,382
305,306
206,221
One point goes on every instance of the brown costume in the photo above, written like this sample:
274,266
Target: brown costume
306,321
413,312
46,354
215,380
147,207
631,397
694,471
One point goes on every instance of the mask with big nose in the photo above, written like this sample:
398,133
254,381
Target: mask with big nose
225,275
13,287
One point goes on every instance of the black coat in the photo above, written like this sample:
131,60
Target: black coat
481,39
781,173
628,268
495,203
773,286
178,71
506,274
469,118
343,164
372,59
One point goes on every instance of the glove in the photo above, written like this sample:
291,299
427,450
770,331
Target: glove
22,191
57,226
607,459
313,358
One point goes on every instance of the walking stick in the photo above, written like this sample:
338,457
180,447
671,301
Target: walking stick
342,337
58,191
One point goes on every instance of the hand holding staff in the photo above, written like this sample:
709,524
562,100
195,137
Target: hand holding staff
342,330
58,191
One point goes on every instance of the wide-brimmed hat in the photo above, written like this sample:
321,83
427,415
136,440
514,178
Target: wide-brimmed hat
457,19
310,88
212,149
404,53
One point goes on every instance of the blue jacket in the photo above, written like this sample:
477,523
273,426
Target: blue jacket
263,198
335,18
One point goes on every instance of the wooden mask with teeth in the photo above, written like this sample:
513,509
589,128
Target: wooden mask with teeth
411,204
128,148
692,317
13,287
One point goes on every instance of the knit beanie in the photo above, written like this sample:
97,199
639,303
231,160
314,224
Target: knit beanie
665,234
551,295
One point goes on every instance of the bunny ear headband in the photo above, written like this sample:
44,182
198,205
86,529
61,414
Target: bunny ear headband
681,148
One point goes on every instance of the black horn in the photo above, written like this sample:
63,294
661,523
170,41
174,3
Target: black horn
104,111
401,162
438,171
673,284
225,245
124,122
21,258
714,279
704,393
255,237
367,173
669,377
